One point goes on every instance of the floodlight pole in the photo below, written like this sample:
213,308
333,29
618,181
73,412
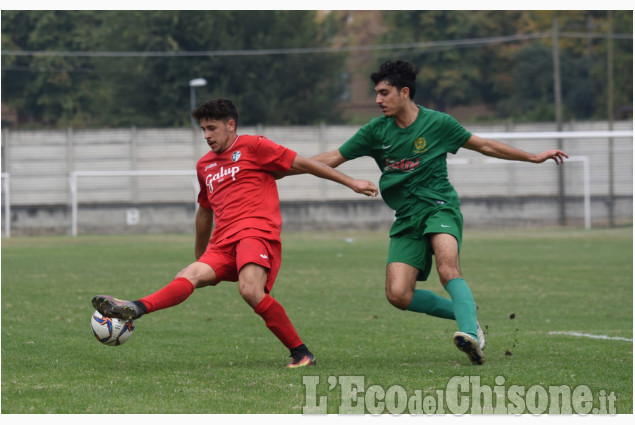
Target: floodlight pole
197,82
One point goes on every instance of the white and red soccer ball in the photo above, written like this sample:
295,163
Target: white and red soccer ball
109,330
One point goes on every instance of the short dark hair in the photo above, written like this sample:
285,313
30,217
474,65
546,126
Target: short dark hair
398,74
217,109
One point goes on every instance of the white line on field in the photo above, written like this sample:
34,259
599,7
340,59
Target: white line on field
583,335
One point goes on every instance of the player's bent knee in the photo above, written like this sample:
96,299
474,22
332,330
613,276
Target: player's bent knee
251,293
199,274
399,300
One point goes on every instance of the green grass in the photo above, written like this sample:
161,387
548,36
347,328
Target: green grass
212,354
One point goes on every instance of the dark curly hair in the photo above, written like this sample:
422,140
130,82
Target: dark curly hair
398,74
220,109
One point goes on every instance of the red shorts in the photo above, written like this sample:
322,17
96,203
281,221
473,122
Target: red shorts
226,259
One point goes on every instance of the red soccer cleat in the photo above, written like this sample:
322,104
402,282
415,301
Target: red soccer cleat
301,357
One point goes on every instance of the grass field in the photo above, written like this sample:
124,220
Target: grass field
212,354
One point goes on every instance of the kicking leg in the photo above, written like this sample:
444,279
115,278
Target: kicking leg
196,275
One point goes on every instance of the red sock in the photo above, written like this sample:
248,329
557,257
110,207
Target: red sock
278,322
170,295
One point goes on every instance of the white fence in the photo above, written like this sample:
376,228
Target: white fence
126,166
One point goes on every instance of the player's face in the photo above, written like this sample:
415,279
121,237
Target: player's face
391,101
219,134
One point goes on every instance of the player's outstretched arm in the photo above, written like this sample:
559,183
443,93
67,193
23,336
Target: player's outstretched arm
501,150
332,158
303,165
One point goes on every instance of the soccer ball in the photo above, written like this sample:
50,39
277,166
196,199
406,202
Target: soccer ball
109,330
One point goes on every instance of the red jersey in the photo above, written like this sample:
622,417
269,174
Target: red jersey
237,186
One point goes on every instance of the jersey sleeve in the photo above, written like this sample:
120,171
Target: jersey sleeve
359,144
273,157
456,135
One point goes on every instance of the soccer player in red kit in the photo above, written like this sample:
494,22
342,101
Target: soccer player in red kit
239,193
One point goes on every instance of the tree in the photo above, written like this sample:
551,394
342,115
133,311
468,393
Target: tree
46,89
153,91
583,63
516,79
450,75
144,91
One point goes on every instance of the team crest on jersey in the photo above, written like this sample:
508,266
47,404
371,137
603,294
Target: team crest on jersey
236,156
420,145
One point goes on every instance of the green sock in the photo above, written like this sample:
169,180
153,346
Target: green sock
424,301
463,305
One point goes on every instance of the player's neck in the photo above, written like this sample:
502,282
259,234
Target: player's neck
407,116
231,141
234,142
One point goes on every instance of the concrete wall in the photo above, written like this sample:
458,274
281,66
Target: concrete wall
508,194
479,213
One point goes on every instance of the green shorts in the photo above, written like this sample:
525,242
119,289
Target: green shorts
409,240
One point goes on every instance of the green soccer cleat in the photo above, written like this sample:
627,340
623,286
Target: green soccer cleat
113,307
469,346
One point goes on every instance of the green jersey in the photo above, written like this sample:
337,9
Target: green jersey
412,160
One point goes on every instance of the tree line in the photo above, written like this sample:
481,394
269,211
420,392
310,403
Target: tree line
132,68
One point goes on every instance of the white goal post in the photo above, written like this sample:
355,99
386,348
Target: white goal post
558,135
586,178
75,175
586,168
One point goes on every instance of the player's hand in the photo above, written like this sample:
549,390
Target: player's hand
365,187
555,154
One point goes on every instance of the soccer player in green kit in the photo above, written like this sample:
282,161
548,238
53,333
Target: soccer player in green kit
410,143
